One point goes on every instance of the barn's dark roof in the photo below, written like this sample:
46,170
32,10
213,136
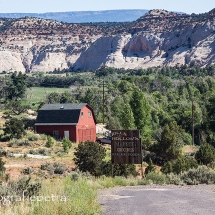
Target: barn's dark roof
69,106
59,114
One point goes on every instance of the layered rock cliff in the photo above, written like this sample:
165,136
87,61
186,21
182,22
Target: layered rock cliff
159,38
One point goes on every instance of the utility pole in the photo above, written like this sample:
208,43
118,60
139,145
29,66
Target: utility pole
103,101
193,109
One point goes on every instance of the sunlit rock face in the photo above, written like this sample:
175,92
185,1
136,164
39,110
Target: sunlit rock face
159,38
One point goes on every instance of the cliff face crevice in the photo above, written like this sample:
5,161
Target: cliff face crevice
33,44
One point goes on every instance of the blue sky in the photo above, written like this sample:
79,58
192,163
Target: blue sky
42,6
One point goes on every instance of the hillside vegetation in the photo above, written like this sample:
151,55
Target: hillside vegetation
159,102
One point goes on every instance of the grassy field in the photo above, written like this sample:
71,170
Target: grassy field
38,94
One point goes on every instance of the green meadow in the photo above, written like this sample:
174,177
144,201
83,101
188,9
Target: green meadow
38,94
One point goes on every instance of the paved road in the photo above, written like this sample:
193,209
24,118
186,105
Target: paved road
159,200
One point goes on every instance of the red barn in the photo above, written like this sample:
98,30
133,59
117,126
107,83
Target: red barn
77,122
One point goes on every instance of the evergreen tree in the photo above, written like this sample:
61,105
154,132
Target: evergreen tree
66,145
150,167
16,86
141,109
168,146
127,118
17,107
205,154
15,128
89,156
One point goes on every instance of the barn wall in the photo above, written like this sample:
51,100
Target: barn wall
61,128
86,127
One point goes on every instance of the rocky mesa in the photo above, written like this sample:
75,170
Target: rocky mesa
159,38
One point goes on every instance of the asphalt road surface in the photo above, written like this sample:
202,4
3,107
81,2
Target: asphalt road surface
159,200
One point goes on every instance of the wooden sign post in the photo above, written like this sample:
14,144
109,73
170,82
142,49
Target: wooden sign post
126,147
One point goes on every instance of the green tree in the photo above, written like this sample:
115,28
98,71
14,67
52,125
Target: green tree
17,107
205,154
141,109
183,164
150,167
89,156
49,142
180,165
16,86
66,145
66,97
169,143
167,167
53,98
210,113
127,118
14,127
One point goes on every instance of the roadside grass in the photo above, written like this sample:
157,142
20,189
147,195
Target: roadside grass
70,197
80,196
67,197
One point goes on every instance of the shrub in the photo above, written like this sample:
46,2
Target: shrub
43,137
59,154
23,142
167,168
28,123
212,165
2,167
49,142
27,170
77,174
205,154
143,182
201,175
5,138
24,185
47,166
174,179
66,145
43,151
74,176
14,128
147,155
118,169
2,152
56,168
157,178
183,164
180,165
89,156
16,188
33,137
33,152
118,180
59,168
150,167
19,142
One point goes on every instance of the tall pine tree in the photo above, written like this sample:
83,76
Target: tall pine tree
127,118
141,110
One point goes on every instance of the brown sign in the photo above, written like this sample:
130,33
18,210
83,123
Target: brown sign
126,147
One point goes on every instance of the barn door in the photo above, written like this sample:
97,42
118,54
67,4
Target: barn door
66,134
85,134
80,135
